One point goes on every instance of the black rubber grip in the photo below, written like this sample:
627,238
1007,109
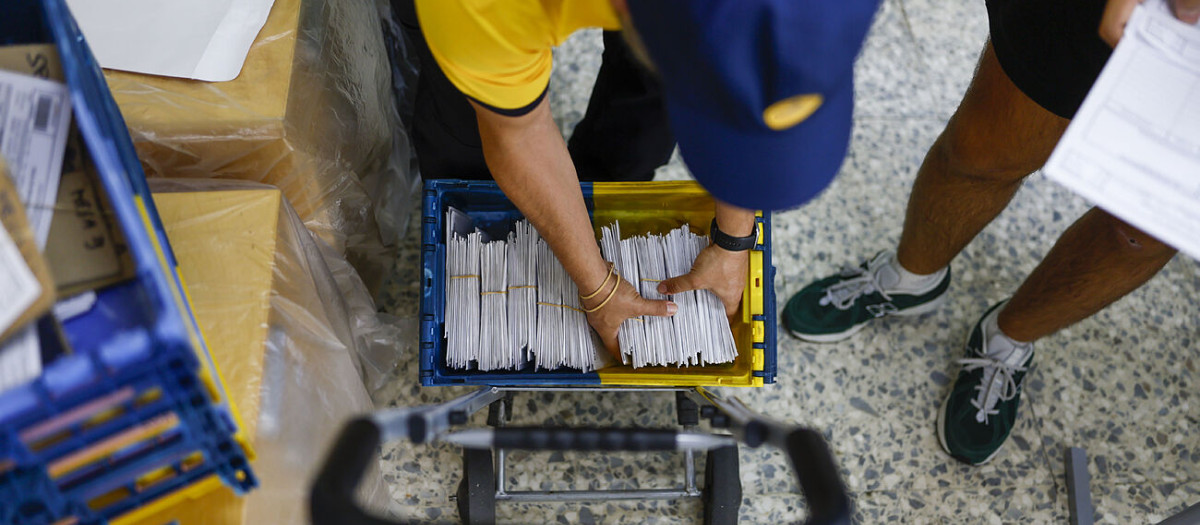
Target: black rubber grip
331,500
819,478
630,439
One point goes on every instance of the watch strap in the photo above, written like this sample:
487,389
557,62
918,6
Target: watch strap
729,242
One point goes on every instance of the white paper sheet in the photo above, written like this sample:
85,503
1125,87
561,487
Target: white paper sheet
1134,146
199,39
20,359
35,115
19,288
72,307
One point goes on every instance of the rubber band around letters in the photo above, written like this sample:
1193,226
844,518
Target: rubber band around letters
561,306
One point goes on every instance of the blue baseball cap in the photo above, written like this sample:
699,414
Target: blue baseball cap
759,92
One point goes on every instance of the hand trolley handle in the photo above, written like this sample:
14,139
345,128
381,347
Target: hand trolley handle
820,481
332,500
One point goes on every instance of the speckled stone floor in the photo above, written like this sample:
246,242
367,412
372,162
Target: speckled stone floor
1121,384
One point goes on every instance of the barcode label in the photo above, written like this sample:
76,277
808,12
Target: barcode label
41,113
35,115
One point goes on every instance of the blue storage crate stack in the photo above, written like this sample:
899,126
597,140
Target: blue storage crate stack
134,418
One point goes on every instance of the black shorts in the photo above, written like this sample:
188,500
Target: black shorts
1050,49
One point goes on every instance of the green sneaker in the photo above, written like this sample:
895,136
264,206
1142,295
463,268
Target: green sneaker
981,410
837,307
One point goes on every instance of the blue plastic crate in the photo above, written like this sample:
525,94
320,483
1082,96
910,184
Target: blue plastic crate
492,212
136,413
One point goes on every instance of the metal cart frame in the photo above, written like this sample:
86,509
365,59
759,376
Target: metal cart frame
485,450
485,455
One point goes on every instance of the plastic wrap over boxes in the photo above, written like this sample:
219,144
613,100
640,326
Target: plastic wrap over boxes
272,315
136,414
311,113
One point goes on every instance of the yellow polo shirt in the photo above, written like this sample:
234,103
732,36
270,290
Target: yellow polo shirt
498,52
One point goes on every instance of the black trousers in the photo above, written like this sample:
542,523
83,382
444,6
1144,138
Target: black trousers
624,135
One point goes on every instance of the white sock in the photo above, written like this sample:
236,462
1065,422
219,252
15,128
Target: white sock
900,279
998,341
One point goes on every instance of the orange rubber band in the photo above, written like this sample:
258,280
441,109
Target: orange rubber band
562,306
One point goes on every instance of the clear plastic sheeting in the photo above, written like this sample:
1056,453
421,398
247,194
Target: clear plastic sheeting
283,316
313,113
381,338
395,200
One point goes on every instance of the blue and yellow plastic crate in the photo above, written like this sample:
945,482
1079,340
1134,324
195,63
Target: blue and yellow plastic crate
641,207
134,418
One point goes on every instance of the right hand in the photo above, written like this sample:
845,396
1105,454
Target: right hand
626,303
1117,13
717,270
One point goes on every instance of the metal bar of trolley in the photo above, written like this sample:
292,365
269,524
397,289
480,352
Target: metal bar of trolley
332,497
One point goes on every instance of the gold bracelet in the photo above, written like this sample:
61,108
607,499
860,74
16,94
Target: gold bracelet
611,294
611,271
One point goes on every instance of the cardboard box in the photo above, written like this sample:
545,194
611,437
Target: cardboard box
275,324
310,114
16,231
86,249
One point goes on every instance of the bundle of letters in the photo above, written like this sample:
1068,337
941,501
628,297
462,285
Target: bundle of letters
510,303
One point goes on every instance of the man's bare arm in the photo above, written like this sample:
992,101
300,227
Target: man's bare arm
529,160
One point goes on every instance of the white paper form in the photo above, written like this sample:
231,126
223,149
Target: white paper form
1134,146
19,288
198,39
35,115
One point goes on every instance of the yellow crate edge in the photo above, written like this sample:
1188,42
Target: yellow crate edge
191,492
623,188
753,295
756,283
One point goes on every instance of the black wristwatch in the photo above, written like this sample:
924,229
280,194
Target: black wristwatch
729,242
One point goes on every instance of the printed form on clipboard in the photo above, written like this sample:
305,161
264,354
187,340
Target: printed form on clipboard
1134,146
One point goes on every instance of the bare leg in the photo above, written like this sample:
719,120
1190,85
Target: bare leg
996,138
1097,260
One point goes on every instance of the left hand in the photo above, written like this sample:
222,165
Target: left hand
624,304
717,270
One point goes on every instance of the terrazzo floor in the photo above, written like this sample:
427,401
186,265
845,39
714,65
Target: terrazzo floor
1121,384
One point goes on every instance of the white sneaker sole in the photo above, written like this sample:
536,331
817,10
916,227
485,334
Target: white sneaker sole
914,311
